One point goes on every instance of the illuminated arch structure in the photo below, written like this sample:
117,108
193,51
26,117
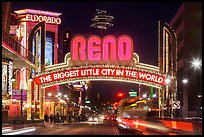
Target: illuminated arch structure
167,62
77,69
80,68
67,66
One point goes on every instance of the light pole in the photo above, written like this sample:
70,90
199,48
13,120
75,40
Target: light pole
196,64
185,98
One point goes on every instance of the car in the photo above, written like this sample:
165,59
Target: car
93,120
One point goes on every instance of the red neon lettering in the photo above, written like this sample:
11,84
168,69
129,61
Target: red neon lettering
107,50
94,48
97,72
78,48
109,46
124,48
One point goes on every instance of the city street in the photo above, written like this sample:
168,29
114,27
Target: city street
101,68
83,128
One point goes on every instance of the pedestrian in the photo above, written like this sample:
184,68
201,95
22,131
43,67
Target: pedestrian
70,117
58,118
54,118
51,118
45,117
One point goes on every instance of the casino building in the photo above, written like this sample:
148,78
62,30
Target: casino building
20,59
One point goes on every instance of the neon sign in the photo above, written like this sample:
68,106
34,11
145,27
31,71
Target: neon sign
40,18
109,49
73,74
101,59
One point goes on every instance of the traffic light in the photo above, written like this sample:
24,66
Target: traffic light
151,92
120,94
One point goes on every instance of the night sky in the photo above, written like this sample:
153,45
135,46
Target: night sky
139,20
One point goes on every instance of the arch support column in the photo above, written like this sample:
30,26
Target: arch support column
42,101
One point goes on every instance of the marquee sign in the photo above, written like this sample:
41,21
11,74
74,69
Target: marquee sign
101,59
40,18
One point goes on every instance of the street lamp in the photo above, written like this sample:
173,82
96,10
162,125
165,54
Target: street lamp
154,95
168,80
14,72
144,95
196,63
59,94
185,81
49,94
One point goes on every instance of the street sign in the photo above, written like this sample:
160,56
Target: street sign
176,104
132,94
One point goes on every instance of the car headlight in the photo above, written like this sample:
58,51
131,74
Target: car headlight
90,119
102,117
96,119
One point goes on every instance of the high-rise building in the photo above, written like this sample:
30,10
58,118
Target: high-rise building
187,24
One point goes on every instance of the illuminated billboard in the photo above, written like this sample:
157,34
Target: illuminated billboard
49,48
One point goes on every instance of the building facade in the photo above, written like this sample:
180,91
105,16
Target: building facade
187,24
18,96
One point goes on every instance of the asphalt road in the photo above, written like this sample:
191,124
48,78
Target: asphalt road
83,128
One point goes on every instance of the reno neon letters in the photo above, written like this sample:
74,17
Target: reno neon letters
107,49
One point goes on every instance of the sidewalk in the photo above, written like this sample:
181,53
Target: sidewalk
18,131
10,127
6,126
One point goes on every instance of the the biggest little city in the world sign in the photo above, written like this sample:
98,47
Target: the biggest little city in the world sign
101,59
